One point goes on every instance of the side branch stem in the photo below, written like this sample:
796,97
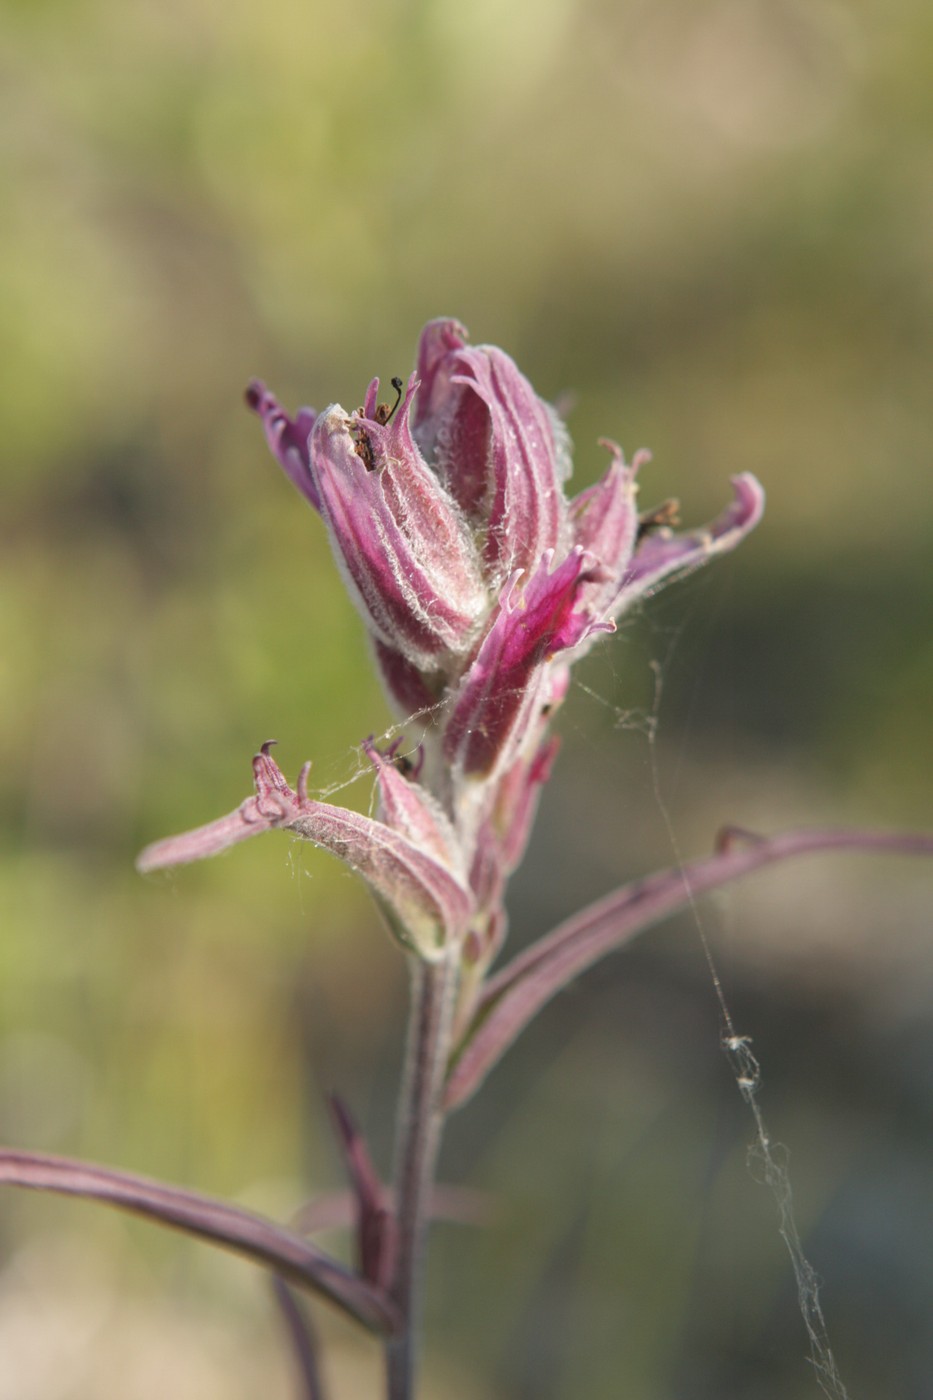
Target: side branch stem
421,1120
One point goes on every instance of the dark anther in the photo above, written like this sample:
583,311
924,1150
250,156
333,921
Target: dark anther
663,517
364,450
406,765
384,412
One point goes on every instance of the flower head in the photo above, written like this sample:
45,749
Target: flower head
480,583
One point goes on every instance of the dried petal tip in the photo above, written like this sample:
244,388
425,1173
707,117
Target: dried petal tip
730,838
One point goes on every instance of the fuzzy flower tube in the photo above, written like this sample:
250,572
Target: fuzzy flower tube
480,583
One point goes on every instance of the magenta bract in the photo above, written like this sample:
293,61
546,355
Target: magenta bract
426,904
499,449
480,584
532,625
401,542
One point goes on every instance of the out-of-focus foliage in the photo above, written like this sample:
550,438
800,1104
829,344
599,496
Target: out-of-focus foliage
714,224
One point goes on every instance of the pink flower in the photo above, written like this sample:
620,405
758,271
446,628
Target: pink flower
480,584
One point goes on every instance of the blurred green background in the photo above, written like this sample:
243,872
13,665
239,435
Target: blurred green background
713,223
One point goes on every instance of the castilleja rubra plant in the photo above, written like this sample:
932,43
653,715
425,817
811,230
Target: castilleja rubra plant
480,583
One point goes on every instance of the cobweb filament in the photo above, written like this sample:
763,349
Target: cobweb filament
639,719
769,1158
361,765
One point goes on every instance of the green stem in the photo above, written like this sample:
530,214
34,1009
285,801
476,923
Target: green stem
419,1133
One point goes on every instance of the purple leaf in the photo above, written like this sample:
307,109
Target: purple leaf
510,1000
499,454
375,1224
303,1338
407,688
261,1240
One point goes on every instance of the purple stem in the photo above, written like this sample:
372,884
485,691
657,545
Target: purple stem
419,1134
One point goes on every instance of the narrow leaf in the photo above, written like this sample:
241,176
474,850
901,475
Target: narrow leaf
303,1339
511,999
375,1224
261,1240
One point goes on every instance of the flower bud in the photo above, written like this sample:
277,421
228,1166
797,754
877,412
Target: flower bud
498,448
399,538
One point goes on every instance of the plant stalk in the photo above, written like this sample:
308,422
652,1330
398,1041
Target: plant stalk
421,1118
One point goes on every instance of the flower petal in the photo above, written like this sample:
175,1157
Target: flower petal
410,809
499,449
663,553
605,523
498,454
436,363
500,686
287,437
399,539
